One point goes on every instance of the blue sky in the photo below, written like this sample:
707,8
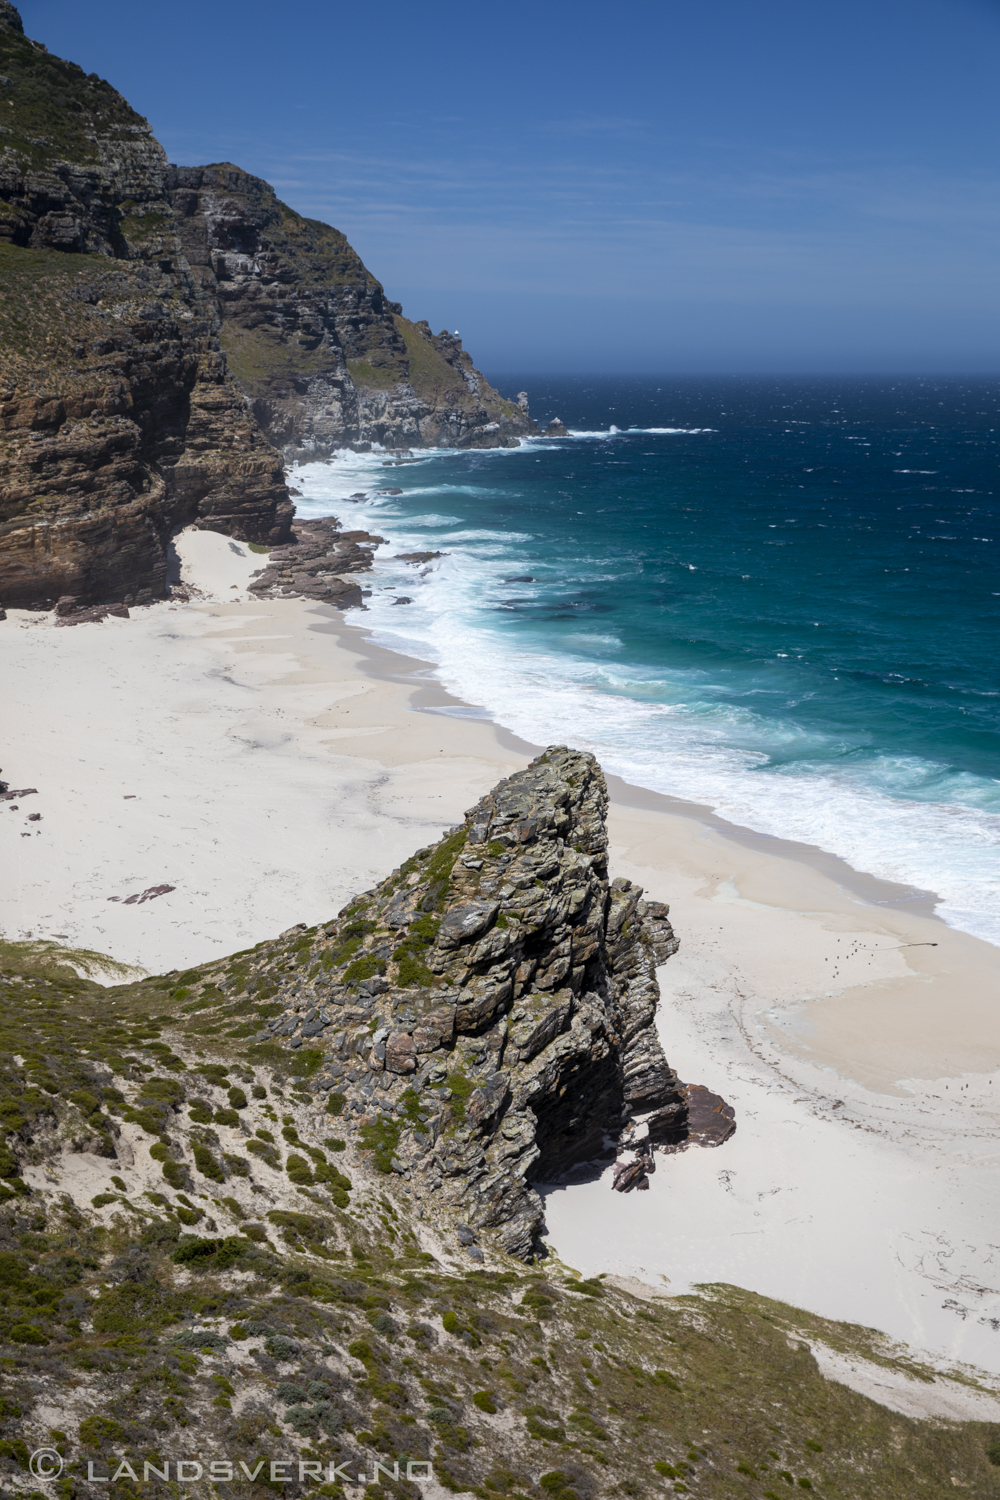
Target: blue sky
783,185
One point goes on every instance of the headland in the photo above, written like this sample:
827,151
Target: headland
264,763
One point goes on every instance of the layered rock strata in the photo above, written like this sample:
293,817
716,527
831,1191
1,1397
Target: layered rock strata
326,359
163,331
119,421
488,1010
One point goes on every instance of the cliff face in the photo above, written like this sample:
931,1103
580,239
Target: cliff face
163,331
118,419
326,359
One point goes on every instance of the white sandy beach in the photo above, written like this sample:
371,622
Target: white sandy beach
266,762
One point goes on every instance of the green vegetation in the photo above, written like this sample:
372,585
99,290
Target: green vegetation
367,376
52,107
431,376
363,968
296,1226
520,1382
349,940
440,865
409,955
462,1087
207,1164
257,356
266,1153
381,1137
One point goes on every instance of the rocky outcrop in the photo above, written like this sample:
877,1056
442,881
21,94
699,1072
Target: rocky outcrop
199,1266
163,331
311,564
327,360
494,998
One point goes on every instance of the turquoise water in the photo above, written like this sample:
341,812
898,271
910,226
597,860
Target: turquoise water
779,598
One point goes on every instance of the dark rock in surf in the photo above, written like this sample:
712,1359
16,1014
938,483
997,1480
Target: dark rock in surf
311,564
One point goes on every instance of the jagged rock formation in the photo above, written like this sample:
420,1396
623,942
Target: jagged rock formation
503,979
123,284
326,359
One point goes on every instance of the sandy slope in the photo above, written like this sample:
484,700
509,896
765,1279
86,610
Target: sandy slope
233,750
266,762
863,1181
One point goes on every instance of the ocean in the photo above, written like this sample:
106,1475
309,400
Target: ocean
776,597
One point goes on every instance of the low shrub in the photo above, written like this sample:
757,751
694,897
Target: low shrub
280,1347
381,1137
207,1164
200,1338
95,1431
176,1174
298,1170
266,1153
296,1224
219,1253
28,1333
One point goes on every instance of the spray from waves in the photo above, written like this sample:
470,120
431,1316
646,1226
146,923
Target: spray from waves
903,818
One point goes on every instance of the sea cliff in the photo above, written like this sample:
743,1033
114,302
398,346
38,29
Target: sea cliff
324,356
166,334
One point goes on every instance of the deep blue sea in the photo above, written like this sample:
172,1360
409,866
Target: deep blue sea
777,597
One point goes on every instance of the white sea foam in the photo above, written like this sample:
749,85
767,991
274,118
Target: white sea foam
579,639
901,818
640,432
431,519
